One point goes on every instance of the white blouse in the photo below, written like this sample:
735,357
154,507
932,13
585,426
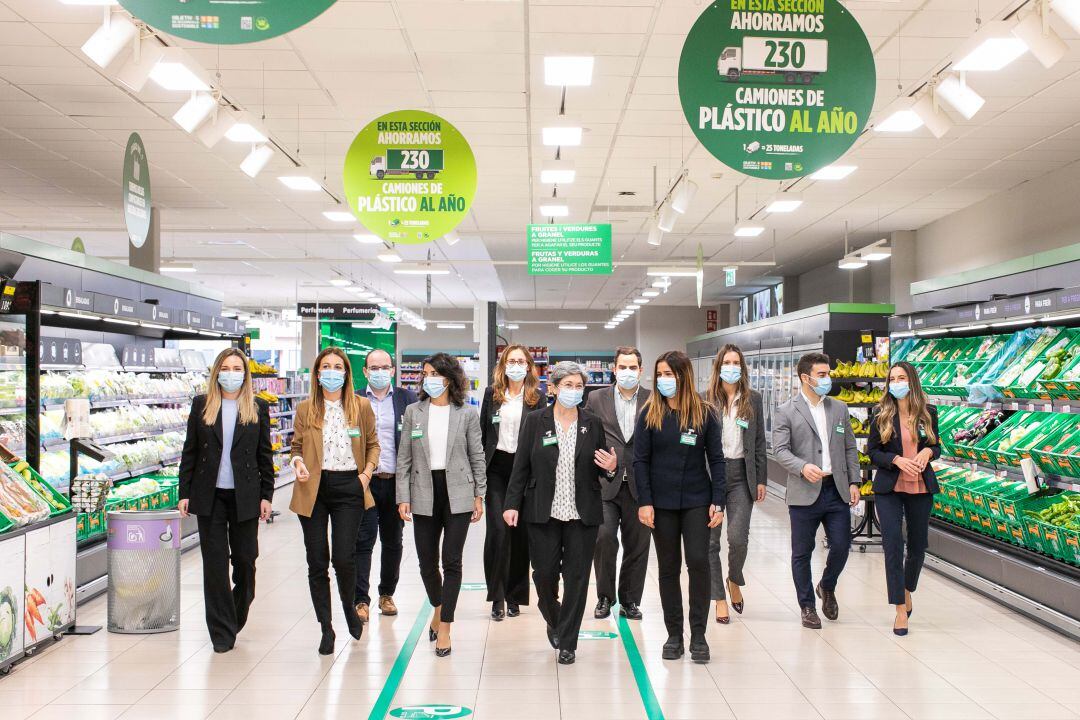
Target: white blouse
732,433
510,422
564,504
438,435
337,445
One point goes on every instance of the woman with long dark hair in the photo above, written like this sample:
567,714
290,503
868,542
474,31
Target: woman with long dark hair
738,408
680,473
335,449
228,491
903,443
441,483
514,393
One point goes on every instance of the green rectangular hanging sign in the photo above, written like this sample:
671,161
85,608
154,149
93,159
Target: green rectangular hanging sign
570,249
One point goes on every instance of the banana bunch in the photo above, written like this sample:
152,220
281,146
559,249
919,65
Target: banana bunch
860,370
259,368
858,426
864,459
867,488
267,396
855,397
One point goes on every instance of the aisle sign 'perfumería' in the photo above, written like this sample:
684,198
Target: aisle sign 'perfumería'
410,176
136,191
570,249
226,22
777,89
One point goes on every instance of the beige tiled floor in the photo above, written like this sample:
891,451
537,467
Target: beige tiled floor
966,657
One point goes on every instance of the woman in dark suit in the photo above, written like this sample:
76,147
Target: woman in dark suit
679,470
555,489
738,408
229,492
514,393
903,442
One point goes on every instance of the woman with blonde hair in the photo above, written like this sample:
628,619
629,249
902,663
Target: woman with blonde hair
335,450
514,393
742,422
903,443
229,492
680,474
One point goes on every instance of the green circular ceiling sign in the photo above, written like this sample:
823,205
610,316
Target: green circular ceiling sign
777,89
136,191
410,177
226,22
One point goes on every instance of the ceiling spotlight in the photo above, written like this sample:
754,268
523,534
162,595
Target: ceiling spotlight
656,236
666,222
257,159
135,71
109,39
1045,44
959,95
192,113
568,71
745,230
211,132
784,203
561,136
341,216
990,49
852,262
908,114
367,239
300,182
685,195
554,210
834,172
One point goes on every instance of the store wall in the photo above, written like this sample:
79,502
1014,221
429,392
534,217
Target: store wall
660,329
829,284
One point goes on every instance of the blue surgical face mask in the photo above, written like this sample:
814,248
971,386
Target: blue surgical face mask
571,397
899,389
667,386
731,374
434,386
380,379
517,373
231,380
822,386
332,380
627,379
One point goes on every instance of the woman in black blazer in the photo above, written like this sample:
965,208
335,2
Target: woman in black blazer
228,492
514,393
680,474
903,443
555,489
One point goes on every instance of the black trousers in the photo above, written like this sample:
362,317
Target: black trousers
677,532
621,515
902,572
383,522
222,539
506,549
564,548
451,529
339,505
834,513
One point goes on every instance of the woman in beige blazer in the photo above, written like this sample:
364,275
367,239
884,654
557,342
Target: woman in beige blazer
335,449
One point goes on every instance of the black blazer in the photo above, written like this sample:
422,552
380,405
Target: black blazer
403,397
601,403
882,454
532,483
489,430
252,461
673,475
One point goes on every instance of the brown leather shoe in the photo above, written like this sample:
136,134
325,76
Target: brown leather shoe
810,618
387,606
362,612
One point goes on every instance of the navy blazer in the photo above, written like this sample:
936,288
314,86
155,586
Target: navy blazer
673,475
882,454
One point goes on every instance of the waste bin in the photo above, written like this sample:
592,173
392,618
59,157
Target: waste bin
144,571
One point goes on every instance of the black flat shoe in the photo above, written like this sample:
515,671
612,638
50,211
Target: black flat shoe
553,638
603,609
630,611
699,650
326,646
512,610
567,657
498,612
673,648
221,649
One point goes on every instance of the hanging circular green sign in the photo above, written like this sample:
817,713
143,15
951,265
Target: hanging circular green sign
136,191
226,22
430,712
410,177
777,89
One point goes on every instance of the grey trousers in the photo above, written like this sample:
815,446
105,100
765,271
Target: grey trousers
740,504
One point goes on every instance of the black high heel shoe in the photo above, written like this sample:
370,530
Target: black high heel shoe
442,652
326,646
356,626
432,635
736,606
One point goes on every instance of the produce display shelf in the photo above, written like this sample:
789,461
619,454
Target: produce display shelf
117,438
13,411
148,369
54,404
288,396
856,381
288,413
10,365
285,431
861,405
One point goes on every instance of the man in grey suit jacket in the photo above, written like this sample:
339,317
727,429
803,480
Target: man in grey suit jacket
812,439
617,408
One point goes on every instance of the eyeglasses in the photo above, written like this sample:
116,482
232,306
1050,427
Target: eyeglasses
381,367
522,363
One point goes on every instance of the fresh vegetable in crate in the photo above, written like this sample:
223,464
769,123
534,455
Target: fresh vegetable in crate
1064,513
17,501
979,428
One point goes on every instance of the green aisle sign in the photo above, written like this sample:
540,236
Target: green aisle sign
410,177
570,249
136,191
226,22
777,89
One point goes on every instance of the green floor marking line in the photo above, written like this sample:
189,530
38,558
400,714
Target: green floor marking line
397,672
637,665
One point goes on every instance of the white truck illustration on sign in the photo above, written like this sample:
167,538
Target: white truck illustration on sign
796,60
420,163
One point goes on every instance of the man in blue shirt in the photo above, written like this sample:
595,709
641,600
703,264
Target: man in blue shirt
382,521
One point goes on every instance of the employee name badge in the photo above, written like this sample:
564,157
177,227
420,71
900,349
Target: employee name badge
549,439
840,429
496,419
742,423
354,432
417,432
399,427
689,438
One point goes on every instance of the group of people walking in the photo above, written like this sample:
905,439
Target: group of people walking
564,487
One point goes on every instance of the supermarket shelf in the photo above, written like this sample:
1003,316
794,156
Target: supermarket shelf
291,395
286,431
857,381
54,404
860,405
116,438
12,411
1015,473
289,413
284,477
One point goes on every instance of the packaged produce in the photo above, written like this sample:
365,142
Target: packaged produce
986,421
1021,372
18,502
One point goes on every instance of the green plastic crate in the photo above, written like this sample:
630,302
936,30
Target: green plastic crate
47,493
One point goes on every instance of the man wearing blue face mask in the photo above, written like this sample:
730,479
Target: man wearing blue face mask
382,521
813,440
617,410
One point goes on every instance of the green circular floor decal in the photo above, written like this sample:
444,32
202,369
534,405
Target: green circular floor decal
777,89
136,191
410,177
596,635
226,22
428,712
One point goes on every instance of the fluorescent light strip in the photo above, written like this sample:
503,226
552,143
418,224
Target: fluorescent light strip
340,216
1013,323
118,321
966,328
154,326
932,331
450,326
303,183
367,239
834,172
572,326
